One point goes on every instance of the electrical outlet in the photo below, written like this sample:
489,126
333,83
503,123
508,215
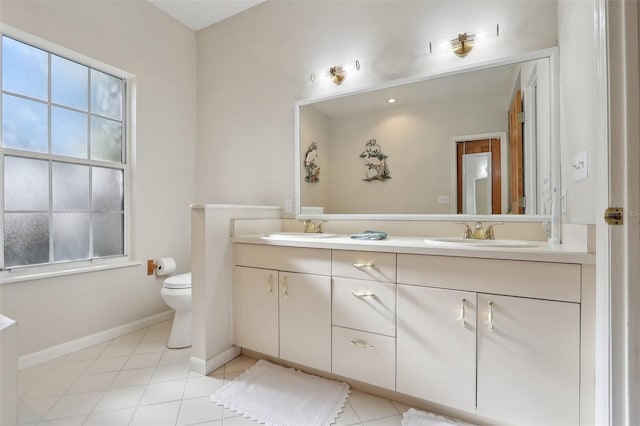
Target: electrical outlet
443,199
288,205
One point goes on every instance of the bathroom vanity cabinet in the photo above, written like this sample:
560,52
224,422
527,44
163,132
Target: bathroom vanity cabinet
494,337
281,312
516,337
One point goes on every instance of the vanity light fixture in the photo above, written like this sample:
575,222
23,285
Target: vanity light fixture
463,43
336,73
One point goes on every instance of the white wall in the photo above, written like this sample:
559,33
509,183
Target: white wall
252,68
137,38
577,105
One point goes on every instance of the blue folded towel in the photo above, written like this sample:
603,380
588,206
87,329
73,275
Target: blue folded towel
370,235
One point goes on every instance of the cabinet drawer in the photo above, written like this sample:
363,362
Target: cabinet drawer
290,259
364,305
364,265
554,281
367,357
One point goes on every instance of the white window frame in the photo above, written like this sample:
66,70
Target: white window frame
31,272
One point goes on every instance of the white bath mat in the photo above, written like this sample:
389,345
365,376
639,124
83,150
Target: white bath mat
413,417
279,396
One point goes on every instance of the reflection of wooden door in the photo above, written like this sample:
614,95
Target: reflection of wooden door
516,163
476,147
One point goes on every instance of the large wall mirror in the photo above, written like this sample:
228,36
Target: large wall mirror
479,141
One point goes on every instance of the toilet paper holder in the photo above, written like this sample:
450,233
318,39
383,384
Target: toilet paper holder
151,266
162,266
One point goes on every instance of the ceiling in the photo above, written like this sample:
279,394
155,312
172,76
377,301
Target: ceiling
198,14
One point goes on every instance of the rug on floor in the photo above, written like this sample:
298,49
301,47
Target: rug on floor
279,396
413,417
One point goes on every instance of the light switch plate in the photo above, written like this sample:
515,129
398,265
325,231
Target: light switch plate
443,199
288,205
580,166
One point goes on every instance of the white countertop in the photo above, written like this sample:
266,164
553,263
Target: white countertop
541,252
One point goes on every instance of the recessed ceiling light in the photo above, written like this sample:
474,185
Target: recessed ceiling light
391,100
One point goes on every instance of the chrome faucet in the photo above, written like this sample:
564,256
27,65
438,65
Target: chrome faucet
312,227
478,232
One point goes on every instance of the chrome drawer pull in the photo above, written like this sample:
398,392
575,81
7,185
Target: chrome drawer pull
362,345
270,285
363,294
363,265
462,321
285,293
490,318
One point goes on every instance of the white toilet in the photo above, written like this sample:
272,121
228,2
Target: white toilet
176,292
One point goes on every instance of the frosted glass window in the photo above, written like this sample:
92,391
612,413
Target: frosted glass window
69,83
26,184
24,124
106,95
70,186
107,189
106,139
70,233
107,234
26,238
69,133
25,69
62,158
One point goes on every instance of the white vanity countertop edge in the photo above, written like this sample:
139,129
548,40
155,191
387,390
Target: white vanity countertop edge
417,245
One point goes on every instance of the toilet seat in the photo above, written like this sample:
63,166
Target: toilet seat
178,281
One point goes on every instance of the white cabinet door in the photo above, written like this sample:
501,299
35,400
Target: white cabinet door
528,360
436,357
305,319
256,309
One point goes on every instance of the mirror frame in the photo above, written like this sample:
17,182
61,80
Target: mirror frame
554,217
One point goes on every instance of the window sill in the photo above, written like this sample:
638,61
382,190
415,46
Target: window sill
15,276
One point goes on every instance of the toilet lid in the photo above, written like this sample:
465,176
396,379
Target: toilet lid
178,281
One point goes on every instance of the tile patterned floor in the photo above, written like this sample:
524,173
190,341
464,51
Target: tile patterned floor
135,380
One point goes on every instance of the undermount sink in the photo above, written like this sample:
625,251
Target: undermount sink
469,242
286,235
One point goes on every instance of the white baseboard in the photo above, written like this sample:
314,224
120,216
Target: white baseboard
200,366
34,358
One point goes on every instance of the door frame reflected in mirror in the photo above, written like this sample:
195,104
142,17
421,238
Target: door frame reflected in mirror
472,201
500,198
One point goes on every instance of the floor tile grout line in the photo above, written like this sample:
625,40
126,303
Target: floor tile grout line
155,368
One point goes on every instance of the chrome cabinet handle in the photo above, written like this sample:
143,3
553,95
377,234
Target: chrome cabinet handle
490,318
461,319
363,265
284,287
362,345
363,294
270,284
